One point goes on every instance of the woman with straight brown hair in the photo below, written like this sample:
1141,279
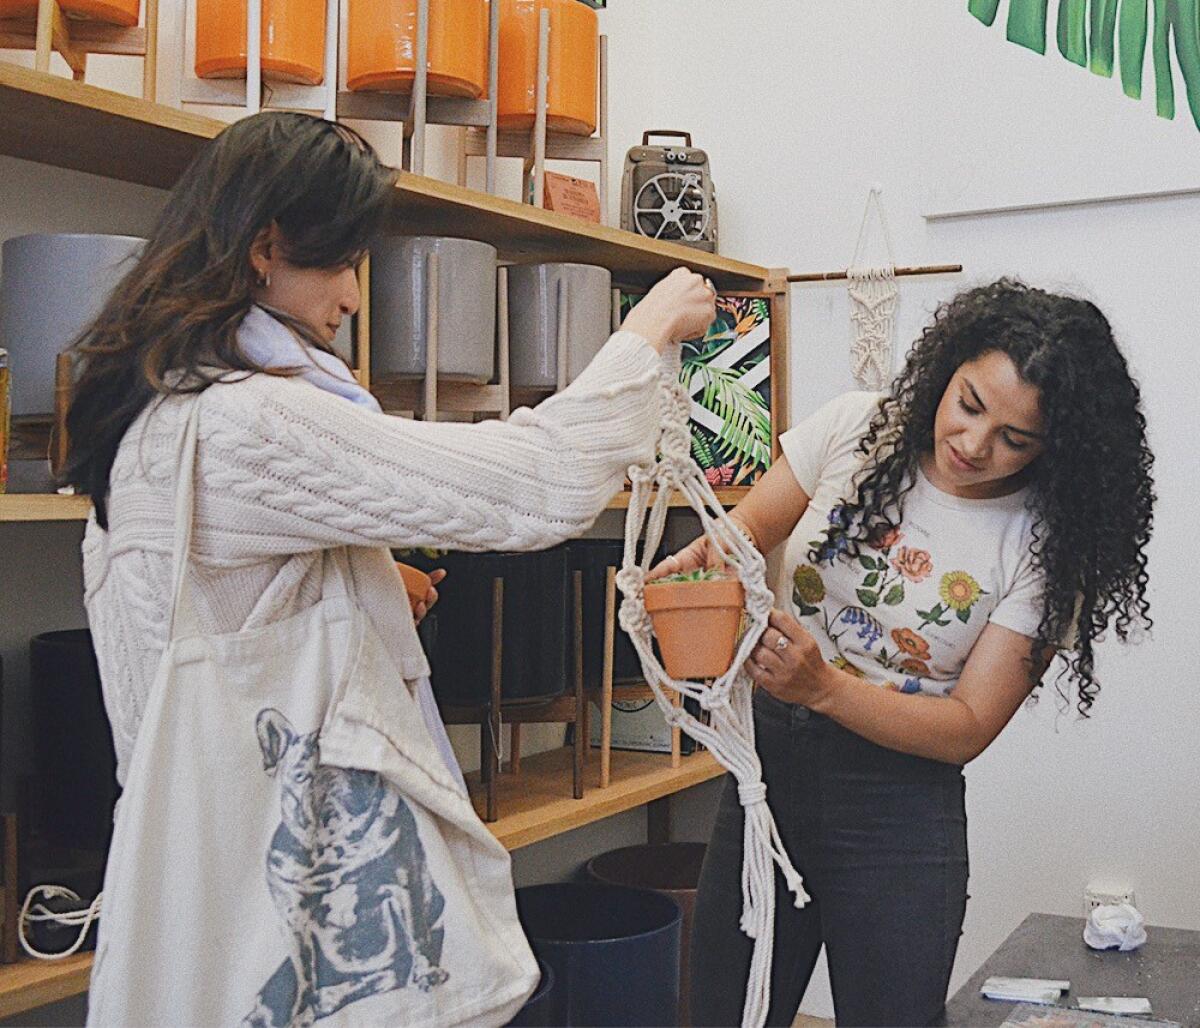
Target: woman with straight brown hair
294,841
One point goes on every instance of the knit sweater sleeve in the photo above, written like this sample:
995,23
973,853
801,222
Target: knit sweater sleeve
286,468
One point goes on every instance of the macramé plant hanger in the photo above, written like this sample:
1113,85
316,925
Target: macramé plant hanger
727,698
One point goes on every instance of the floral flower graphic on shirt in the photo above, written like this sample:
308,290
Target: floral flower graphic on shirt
910,643
959,593
959,590
807,589
886,571
915,565
827,549
842,664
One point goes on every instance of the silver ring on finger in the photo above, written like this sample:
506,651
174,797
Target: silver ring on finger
782,643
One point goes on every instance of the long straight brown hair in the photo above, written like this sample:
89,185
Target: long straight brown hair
171,324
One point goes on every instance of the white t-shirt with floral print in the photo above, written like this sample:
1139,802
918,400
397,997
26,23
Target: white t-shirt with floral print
906,612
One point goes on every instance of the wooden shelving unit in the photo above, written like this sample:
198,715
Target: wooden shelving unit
43,507
537,805
51,507
34,983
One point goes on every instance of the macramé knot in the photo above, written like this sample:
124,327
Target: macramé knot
752,793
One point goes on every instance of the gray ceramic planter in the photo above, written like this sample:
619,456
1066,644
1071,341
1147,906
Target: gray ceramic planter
51,287
549,300
400,289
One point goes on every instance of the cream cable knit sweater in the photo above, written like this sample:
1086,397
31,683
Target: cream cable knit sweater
286,471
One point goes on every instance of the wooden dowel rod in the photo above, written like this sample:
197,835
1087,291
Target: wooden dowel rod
925,269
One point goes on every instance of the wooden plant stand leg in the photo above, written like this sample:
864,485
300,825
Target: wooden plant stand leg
514,748
606,678
676,734
580,698
494,727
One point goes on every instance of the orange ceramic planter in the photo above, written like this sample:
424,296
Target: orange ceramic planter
697,625
381,52
293,40
574,64
416,583
112,12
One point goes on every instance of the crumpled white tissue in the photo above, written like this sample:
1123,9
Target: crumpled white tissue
1118,926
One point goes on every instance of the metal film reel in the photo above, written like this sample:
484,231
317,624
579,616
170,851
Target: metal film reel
672,205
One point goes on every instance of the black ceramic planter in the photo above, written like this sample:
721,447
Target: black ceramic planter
614,951
76,762
593,557
537,627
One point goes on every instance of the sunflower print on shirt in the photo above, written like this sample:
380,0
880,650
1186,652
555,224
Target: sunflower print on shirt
883,583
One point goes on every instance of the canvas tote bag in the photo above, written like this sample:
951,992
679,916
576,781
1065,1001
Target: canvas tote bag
290,847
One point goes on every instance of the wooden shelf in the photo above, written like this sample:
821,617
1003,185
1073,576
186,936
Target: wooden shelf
53,120
43,507
34,983
51,507
537,803
730,497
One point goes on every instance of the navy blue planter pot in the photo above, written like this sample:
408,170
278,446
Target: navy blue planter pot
538,1011
614,951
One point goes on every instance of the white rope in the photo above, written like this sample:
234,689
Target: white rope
40,912
730,736
873,295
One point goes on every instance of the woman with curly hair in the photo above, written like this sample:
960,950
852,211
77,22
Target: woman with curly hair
943,543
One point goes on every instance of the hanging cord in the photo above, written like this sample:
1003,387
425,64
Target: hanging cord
873,295
730,736
31,912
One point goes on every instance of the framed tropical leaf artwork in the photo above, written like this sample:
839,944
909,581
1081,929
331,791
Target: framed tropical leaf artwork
727,372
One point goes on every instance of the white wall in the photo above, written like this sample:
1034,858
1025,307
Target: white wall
802,106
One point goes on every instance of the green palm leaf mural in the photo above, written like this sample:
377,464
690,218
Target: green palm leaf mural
1104,34
726,372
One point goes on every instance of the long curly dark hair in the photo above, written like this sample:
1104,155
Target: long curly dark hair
1091,488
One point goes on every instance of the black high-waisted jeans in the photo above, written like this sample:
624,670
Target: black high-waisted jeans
881,840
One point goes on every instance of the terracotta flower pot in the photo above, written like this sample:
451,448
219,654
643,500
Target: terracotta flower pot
697,625
416,583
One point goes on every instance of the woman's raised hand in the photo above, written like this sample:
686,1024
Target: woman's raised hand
680,306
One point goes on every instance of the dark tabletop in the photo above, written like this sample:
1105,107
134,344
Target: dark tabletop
1165,970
